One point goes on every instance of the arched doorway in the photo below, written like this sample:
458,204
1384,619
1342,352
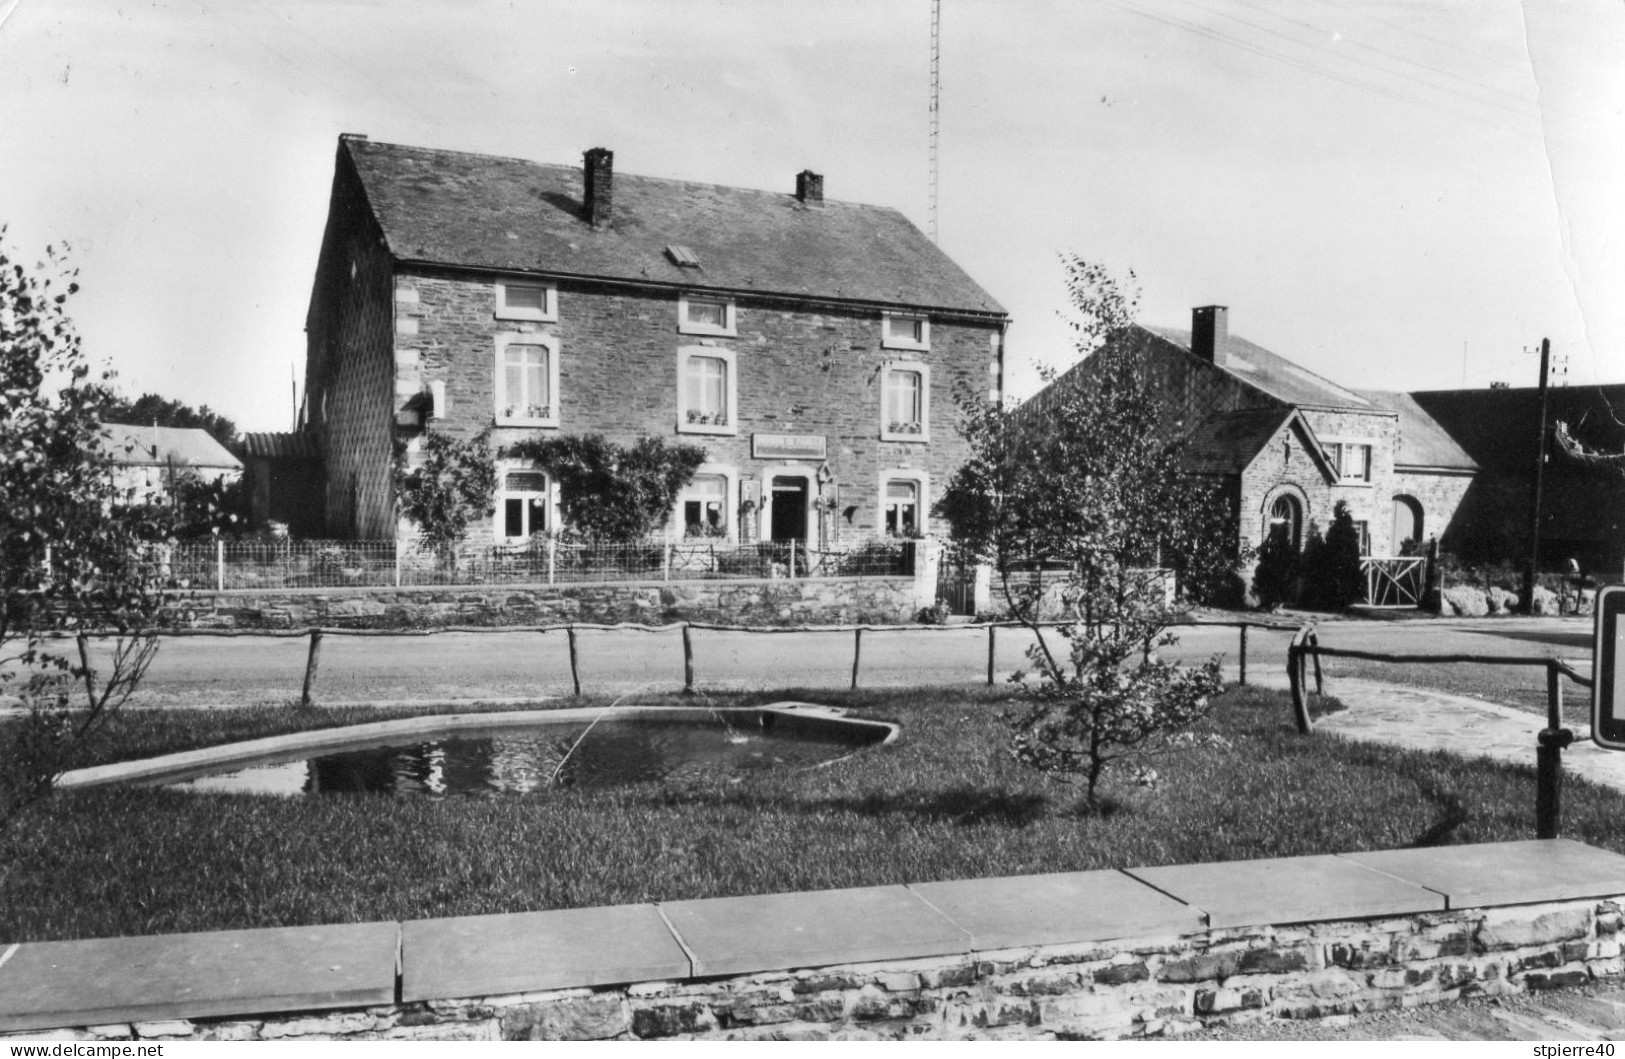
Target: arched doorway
1408,524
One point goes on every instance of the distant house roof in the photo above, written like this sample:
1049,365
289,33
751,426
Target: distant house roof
133,445
1274,375
508,214
281,446
1423,442
1500,428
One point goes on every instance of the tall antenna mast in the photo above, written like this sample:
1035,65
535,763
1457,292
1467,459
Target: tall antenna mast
936,91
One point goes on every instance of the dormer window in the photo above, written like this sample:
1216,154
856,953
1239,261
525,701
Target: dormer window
905,331
698,315
527,301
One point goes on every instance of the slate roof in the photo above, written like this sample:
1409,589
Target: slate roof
1500,429
486,212
1274,375
1227,443
1423,442
134,445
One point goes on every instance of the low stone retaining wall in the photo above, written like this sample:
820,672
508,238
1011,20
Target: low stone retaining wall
973,959
865,600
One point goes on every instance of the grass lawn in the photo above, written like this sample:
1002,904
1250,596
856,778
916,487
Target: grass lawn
946,801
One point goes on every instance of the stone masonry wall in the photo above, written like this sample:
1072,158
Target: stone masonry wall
821,601
800,370
1146,988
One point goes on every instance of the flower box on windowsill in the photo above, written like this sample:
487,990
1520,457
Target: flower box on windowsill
532,414
900,431
713,419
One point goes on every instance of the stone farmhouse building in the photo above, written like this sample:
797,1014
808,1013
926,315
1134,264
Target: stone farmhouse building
1287,445
810,346
149,460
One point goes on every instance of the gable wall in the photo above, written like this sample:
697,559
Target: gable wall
349,365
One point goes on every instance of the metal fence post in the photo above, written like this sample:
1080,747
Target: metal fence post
1549,759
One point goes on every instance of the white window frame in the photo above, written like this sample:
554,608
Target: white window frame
730,502
731,387
686,326
889,341
548,313
549,494
499,382
924,372
922,481
1335,449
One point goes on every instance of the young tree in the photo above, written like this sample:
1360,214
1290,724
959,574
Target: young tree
612,492
78,554
1276,577
453,485
1076,495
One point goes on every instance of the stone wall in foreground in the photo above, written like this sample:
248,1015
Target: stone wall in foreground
1145,988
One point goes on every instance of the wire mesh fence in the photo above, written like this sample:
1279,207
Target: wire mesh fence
341,564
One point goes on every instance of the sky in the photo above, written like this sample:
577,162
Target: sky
1397,194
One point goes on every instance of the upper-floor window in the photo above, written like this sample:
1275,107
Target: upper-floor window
699,315
527,380
1351,459
527,301
904,331
707,391
905,402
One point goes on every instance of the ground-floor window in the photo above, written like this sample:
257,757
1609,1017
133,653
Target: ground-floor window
523,504
902,503
702,506
1286,520
1362,530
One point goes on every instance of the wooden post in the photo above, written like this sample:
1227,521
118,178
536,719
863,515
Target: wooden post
314,660
1296,672
90,674
1526,600
1243,680
688,661
552,557
220,565
857,653
665,561
575,671
990,645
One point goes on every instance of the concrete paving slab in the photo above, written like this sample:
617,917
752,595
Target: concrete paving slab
1280,890
53,984
1058,909
1505,873
771,932
483,955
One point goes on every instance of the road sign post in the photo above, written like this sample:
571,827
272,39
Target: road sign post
1607,678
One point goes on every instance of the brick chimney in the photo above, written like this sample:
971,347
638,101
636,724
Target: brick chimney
598,190
810,188
1210,330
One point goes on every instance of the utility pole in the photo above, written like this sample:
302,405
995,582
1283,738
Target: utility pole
936,92
1527,603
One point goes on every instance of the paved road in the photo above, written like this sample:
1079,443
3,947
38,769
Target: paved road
517,665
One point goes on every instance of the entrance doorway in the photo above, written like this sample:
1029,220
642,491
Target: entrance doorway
788,517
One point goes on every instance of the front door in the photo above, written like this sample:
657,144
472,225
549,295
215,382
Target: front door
789,515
